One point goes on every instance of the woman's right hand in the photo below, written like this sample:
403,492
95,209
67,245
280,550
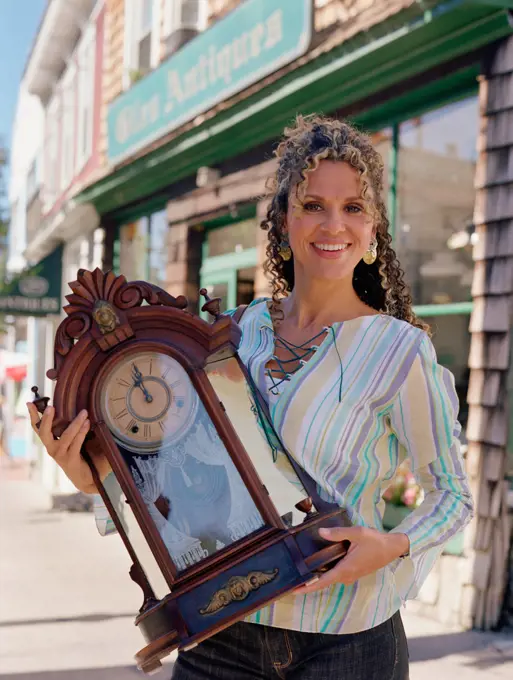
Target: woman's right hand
66,450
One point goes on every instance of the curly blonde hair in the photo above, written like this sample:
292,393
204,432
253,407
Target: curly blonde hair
313,138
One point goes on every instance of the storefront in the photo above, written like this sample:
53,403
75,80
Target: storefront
184,200
30,301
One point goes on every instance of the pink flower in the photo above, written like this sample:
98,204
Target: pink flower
409,479
410,496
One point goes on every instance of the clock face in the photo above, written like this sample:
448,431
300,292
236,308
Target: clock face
148,401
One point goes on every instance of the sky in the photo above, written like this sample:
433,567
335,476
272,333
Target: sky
19,21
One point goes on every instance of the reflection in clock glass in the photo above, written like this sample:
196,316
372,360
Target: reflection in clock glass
190,485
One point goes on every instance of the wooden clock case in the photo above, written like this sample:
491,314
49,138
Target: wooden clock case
107,317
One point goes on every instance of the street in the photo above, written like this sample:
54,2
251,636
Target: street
67,604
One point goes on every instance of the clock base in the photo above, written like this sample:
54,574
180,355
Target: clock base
290,559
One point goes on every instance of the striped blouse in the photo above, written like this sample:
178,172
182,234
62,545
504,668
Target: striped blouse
371,396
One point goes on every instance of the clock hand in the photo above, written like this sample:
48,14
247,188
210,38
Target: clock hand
138,382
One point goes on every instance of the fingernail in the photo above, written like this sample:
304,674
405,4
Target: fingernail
86,424
325,532
83,413
312,581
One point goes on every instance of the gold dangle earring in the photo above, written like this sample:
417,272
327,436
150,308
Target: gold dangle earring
371,253
284,249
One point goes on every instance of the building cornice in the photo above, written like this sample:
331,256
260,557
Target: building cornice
70,222
60,28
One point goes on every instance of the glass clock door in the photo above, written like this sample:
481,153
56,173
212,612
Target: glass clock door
273,468
191,487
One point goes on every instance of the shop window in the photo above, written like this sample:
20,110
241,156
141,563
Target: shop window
143,249
232,238
133,250
142,38
143,35
434,229
245,285
157,255
451,339
234,287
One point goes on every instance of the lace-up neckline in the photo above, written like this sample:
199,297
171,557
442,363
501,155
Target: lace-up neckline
298,355
294,357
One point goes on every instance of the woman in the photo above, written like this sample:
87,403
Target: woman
354,389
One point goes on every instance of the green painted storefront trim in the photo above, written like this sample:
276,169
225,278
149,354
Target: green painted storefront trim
497,3
444,310
402,47
393,173
229,261
131,213
245,212
453,87
228,276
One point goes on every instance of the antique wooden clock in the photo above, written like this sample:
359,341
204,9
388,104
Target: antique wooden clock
194,493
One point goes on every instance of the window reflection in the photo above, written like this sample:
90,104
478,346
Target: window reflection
158,248
245,285
143,249
451,340
433,240
232,238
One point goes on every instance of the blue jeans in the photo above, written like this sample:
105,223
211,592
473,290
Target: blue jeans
248,651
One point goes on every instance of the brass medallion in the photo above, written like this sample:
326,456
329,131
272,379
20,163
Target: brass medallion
105,317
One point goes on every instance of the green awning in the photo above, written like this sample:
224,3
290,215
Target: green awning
402,47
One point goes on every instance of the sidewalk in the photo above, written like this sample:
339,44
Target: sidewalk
14,469
67,605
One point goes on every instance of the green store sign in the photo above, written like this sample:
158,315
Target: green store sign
37,291
254,40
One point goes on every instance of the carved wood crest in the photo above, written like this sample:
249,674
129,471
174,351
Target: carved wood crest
98,305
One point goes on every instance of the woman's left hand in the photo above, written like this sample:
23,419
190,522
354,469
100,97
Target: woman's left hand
369,551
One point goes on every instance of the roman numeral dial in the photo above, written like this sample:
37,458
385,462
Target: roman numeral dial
148,401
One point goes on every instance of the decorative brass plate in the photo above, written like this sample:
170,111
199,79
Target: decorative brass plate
237,589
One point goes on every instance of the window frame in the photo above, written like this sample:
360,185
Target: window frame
52,156
172,16
133,36
68,97
32,182
86,91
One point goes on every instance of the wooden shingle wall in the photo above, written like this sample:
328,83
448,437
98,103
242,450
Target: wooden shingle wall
488,537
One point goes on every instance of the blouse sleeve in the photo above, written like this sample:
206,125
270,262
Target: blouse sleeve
424,418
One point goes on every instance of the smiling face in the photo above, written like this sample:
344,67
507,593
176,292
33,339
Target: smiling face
328,226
